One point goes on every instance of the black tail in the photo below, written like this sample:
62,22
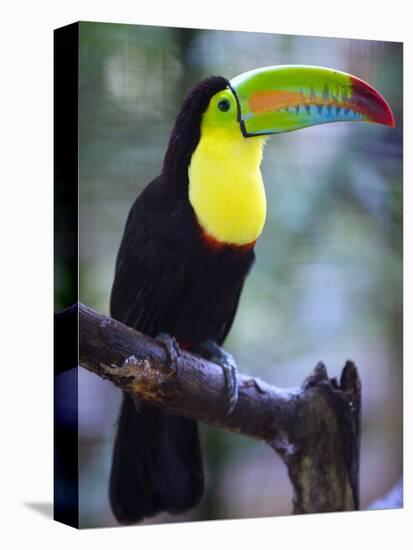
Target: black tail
157,464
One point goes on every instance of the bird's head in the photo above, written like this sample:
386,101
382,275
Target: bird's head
217,140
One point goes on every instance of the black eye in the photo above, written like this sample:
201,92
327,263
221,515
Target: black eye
224,105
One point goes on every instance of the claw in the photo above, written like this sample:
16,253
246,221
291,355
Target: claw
229,368
216,354
172,349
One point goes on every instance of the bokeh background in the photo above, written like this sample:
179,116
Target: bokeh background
328,281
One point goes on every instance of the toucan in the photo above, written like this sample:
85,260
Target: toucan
188,246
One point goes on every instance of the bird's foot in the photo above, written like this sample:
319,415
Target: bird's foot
212,351
172,349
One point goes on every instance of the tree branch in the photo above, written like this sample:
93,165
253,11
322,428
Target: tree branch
314,428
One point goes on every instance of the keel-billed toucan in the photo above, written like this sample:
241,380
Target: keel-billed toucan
188,246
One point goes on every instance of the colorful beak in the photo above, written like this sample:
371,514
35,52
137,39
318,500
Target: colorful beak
283,98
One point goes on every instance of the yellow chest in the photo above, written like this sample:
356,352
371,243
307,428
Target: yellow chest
226,189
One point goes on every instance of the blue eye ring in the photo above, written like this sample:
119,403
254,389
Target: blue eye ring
224,105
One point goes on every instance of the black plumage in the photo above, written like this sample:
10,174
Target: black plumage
169,279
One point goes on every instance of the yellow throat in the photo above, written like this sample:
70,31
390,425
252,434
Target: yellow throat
226,189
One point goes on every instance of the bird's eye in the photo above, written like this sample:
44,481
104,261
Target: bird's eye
224,105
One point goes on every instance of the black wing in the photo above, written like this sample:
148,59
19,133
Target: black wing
149,271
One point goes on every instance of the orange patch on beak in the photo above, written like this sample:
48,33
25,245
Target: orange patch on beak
261,102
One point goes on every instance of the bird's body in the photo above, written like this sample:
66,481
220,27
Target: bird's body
171,277
187,248
168,279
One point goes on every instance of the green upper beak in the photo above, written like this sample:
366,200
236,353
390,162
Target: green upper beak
283,98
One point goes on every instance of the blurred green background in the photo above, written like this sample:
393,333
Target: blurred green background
327,284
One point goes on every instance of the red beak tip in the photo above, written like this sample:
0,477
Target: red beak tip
388,118
372,103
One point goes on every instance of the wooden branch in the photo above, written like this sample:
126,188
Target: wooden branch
314,428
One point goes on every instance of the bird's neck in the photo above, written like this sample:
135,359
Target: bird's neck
226,189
